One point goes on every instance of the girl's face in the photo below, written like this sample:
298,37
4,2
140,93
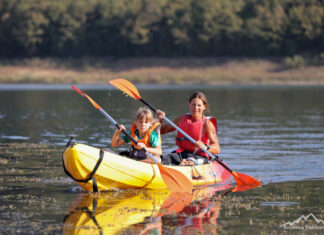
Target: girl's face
197,107
143,125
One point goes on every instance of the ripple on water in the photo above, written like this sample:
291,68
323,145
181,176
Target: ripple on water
14,137
278,203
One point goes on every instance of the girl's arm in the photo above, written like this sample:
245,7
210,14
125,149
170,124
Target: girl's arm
214,147
211,132
166,128
116,141
157,150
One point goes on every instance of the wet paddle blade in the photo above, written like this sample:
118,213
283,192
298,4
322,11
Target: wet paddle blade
241,188
242,179
175,180
126,87
94,103
244,187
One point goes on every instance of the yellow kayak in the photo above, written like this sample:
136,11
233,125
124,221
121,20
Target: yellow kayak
116,212
102,170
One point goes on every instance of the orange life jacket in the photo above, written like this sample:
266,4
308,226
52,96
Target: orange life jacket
196,131
146,137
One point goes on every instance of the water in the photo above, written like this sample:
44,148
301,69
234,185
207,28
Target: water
275,134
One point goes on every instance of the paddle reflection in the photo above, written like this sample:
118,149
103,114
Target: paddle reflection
144,211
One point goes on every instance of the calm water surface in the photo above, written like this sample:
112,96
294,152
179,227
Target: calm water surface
275,134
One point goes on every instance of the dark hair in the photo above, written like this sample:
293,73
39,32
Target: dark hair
201,96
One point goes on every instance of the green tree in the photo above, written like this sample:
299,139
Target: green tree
160,27
216,25
26,22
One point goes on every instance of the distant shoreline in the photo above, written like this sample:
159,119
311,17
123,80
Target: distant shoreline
219,71
106,86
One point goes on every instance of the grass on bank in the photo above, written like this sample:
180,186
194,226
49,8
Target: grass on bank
217,70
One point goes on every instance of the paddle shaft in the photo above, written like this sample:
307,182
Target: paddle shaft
186,135
132,91
127,134
174,179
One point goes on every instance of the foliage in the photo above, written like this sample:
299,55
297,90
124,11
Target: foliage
121,28
298,61
295,61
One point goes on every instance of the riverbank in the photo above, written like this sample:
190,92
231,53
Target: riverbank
217,71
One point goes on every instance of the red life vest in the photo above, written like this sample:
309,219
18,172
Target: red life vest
146,137
196,131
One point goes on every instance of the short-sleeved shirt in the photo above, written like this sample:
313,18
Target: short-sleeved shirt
154,139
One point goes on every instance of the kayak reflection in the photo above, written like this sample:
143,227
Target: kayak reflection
139,211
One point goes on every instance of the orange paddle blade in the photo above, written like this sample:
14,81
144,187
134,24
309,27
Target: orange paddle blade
244,187
86,96
175,180
127,87
242,179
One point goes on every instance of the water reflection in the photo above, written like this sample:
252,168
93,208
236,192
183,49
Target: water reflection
112,212
141,211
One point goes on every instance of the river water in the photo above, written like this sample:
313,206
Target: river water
274,134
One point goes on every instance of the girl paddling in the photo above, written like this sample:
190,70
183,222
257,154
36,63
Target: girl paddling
147,133
201,128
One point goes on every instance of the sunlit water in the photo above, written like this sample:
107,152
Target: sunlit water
275,134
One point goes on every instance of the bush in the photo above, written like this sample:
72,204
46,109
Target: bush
296,61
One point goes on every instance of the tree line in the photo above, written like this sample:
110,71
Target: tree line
121,28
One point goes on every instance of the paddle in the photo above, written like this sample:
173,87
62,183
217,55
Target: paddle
175,180
128,88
